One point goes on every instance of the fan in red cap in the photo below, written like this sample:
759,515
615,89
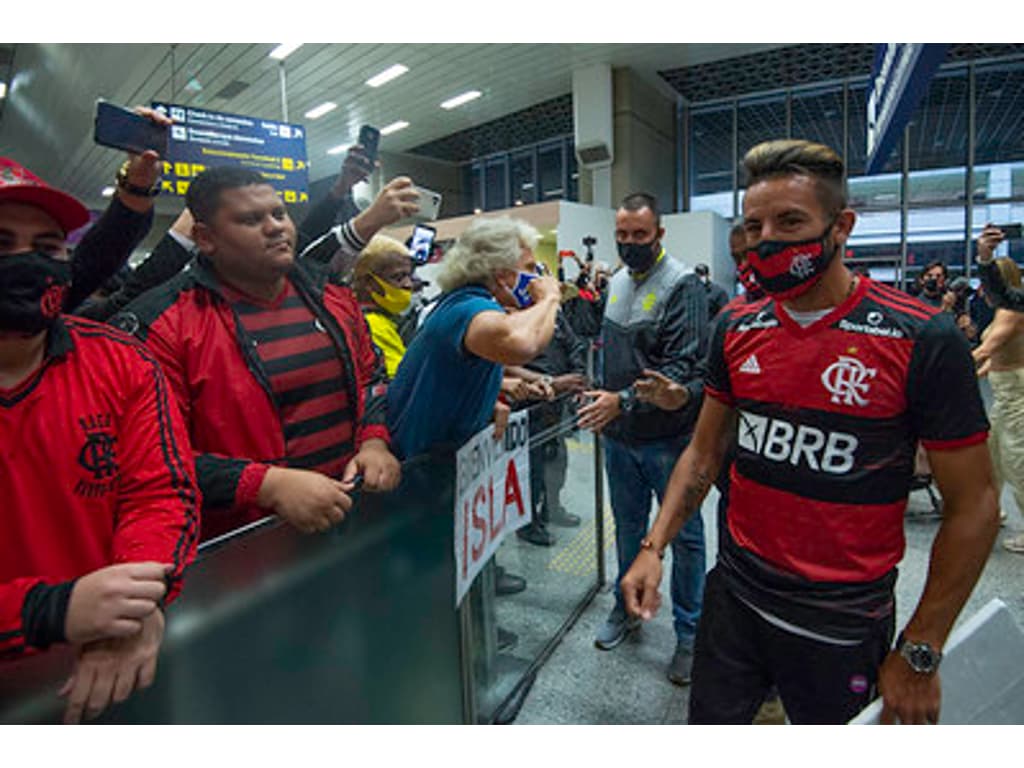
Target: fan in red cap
19,185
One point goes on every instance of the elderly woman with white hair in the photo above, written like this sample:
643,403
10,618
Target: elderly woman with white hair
495,311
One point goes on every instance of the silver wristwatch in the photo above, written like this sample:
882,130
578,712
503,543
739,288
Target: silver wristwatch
921,657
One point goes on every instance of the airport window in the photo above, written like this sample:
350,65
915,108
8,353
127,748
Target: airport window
551,171
938,159
521,176
496,184
938,141
759,120
818,116
711,155
523,167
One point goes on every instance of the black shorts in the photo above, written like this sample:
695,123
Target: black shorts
739,655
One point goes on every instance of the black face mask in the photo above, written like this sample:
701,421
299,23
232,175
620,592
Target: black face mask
32,290
639,257
931,285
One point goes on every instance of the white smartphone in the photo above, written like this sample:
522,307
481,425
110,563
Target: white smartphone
430,207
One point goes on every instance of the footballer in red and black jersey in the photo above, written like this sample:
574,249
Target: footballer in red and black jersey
95,470
828,419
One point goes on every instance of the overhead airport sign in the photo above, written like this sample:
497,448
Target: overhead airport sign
899,80
201,138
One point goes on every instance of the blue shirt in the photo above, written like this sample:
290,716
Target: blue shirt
443,394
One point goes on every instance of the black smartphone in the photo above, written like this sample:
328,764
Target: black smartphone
121,128
1012,231
421,244
369,138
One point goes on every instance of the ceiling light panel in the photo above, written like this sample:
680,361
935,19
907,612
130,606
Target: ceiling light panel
397,126
387,75
283,50
462,98
321,110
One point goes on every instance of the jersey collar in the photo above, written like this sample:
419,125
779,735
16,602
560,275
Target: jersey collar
795,329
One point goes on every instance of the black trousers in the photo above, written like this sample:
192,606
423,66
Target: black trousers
738,656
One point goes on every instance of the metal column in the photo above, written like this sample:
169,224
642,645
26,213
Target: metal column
969,180
283,78
904,203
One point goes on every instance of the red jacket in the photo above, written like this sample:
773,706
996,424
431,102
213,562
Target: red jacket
223,389
94,470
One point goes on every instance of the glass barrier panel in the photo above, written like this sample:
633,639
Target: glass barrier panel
353,626
542,575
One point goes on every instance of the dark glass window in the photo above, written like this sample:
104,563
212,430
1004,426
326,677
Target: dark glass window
497,184
551,172
711,160
524,177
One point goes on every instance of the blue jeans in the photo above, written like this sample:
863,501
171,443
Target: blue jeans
634,472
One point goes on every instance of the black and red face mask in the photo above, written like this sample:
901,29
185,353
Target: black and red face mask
786,269
748,280
32,290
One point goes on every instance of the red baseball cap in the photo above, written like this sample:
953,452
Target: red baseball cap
20,185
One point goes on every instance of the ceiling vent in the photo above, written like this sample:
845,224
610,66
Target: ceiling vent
231,90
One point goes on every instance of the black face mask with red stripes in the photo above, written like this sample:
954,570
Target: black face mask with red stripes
32,290
787,269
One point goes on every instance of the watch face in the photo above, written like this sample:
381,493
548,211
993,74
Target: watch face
921,658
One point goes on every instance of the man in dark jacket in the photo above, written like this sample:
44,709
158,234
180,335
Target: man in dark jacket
656,319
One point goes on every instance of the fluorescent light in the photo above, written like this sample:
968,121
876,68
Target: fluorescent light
281,52
3,89
461,99
107,192
338,149
393,127
320,111
387,75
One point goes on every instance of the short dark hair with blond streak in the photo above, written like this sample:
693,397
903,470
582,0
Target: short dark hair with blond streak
797,157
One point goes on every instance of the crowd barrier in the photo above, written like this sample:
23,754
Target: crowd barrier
357,625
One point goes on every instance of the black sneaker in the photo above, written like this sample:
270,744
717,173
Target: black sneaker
508,584
681,667
559,516
536,534
507,639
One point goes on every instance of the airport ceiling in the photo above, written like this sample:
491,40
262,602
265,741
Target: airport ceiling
46,117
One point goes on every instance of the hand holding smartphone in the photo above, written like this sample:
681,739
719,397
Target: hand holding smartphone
121,128
369,140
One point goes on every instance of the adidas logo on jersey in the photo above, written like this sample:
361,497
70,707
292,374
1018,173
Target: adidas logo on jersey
750,365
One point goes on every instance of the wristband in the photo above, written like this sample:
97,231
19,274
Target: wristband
646,543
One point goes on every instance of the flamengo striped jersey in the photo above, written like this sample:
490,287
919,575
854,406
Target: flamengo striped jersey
829,416
95,469
306,377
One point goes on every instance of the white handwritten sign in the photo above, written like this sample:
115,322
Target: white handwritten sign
493,498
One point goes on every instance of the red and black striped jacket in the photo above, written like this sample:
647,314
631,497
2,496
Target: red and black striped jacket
95,469
224,389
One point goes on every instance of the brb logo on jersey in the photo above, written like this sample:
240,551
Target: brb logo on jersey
97,456
847,379
780,441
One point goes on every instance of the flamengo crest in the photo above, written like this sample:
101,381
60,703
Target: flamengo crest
801,267
847,379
